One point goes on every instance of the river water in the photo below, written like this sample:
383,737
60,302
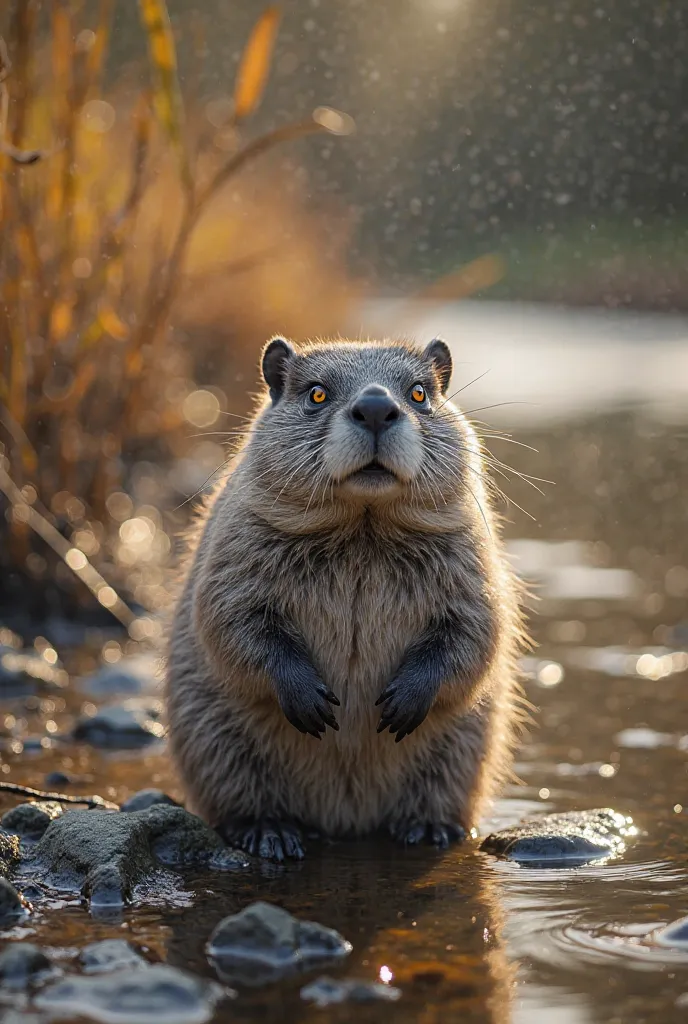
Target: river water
606,553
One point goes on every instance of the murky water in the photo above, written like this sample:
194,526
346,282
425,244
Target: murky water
462,935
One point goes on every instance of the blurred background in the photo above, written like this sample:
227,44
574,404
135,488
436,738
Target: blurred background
472,170
179,182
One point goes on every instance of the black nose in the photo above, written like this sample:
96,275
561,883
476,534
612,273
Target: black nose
375,409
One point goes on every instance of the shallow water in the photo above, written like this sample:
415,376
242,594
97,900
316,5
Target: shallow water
463,935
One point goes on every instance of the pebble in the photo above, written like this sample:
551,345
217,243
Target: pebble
146,798
109,955
563,840
58,779
330,991
264,942
21,964
30,820
127,726
158,994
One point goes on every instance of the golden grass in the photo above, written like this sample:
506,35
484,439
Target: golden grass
112,228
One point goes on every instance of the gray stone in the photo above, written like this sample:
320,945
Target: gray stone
330,991
127,726
109,955
146,798
21,964
674,934
134,676
153,995
9,853
32,819
264,942
11,905
563,840
58,779
105,854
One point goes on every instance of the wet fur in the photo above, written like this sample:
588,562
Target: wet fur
295,580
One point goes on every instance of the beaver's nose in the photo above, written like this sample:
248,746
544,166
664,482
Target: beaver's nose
375,409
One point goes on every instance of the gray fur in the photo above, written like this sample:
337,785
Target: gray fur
307,589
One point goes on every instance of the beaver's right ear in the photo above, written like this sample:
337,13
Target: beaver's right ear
276,357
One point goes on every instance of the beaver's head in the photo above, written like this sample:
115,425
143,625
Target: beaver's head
367,423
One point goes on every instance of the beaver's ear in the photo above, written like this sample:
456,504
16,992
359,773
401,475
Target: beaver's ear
439,355
276,356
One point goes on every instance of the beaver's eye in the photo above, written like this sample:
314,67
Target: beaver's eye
418,393
318,395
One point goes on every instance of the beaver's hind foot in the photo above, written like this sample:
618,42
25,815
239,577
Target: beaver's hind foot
413,832
264,837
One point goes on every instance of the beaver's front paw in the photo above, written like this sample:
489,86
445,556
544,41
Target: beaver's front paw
307,706
264,837
413,831
406,703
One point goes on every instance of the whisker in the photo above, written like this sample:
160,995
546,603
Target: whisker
474,381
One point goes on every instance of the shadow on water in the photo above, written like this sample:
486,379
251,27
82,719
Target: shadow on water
464,936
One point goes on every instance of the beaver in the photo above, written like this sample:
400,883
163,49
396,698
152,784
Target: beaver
346,584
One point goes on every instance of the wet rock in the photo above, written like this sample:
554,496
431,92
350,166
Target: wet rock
21,964
330,991
11,904
105,854
126,726
264,942
32,819
674,935
154,994
135,676
9,853
26,672
563,840
146,798
109,955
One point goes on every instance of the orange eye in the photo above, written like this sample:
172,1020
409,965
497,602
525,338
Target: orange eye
418,393
318,395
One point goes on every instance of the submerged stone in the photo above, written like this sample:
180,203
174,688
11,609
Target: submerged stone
330,991
104,855
30,820
146,798
21,964
264,942
563,840
159,994
126,726
109,955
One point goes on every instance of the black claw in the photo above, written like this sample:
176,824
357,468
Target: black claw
328,718
269,839
439,834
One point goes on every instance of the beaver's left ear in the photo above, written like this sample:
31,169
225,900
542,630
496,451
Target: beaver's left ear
439,355
277,355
